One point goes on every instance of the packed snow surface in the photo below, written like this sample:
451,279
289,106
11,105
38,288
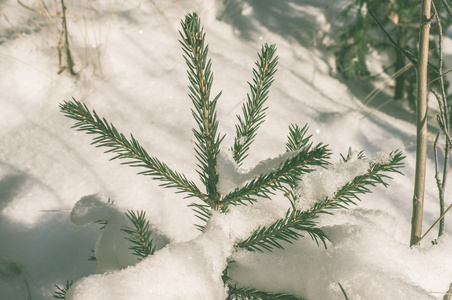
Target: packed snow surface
131,71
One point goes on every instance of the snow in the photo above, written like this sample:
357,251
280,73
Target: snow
191,270
139,84
363,257
112,249
326,182
231,176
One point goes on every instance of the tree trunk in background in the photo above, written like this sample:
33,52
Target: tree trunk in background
421,122
399,92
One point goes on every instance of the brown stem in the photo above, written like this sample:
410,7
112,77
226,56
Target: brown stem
70,62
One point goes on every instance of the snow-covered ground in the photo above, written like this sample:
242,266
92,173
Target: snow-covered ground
131,71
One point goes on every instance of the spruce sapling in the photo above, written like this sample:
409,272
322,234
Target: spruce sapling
283,174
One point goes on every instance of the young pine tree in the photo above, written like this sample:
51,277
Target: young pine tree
284,175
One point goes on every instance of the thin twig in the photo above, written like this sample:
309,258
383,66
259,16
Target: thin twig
447,7
411,57
439,185
28,289
443,121
407,54
440,52
443,117
434,224
70,62
29,8
437,78
441,102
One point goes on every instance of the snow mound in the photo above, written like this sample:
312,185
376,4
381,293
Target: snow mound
362,256
112,248
187,270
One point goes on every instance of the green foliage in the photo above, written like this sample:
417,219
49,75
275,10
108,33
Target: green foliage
129,150
61,291
302,157
288,229
296,138
236,293
348,194
350,154
359,35
354,43
201,79
297,222
280,179
208,141
343,291
253,110
139,235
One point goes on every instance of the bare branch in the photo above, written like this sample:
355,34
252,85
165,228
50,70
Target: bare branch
434,224
407,54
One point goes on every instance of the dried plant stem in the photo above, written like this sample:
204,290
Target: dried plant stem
441,184
443,121
434,224
64,32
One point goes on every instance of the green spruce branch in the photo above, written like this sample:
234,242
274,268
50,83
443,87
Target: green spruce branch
296,222
139,235
288,229
201,78
350,154
202,212
236,293
60,293
296,138
348,194
129,150
253,110
280,179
